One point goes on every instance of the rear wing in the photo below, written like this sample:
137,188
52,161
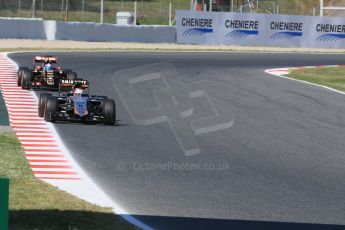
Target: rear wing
44,59
67,85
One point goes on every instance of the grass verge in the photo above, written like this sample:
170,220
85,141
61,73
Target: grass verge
35,204
3,112
333,77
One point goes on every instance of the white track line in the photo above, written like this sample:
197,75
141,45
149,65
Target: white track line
282,72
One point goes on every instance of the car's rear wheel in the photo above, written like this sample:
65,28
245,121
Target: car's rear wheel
20,75
26,78
50,109
109,111
42,103
71,76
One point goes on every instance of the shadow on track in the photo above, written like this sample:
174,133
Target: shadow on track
184,223
117,123
56,220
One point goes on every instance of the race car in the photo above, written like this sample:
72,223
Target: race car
44,74
76,104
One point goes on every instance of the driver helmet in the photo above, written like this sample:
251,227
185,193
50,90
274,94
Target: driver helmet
78,92
48,67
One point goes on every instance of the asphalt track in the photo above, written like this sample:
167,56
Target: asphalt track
278,144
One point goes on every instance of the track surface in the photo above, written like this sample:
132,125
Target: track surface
284,156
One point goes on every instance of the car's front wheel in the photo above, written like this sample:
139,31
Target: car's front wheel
109,111
50,109
26,78
20,75
42,103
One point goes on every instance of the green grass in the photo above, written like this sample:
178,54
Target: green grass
3,112
35,204
333,77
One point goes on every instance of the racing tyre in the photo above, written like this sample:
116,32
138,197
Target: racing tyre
109,111
20,75
26,78
50,109
42,103
71,76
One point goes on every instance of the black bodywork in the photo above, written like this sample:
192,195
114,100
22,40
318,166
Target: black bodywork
38,78
83,108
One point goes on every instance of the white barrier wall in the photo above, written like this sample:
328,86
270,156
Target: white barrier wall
53,30
109,32
259,29
22,28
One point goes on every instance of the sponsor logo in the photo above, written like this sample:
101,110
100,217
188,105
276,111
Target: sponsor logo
197,31
330,37
332,33
241,33
65,81
241,29
200,26
286,30
286,35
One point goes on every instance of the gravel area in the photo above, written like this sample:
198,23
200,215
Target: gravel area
21,44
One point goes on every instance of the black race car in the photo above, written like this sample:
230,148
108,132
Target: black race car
44,74
73,103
